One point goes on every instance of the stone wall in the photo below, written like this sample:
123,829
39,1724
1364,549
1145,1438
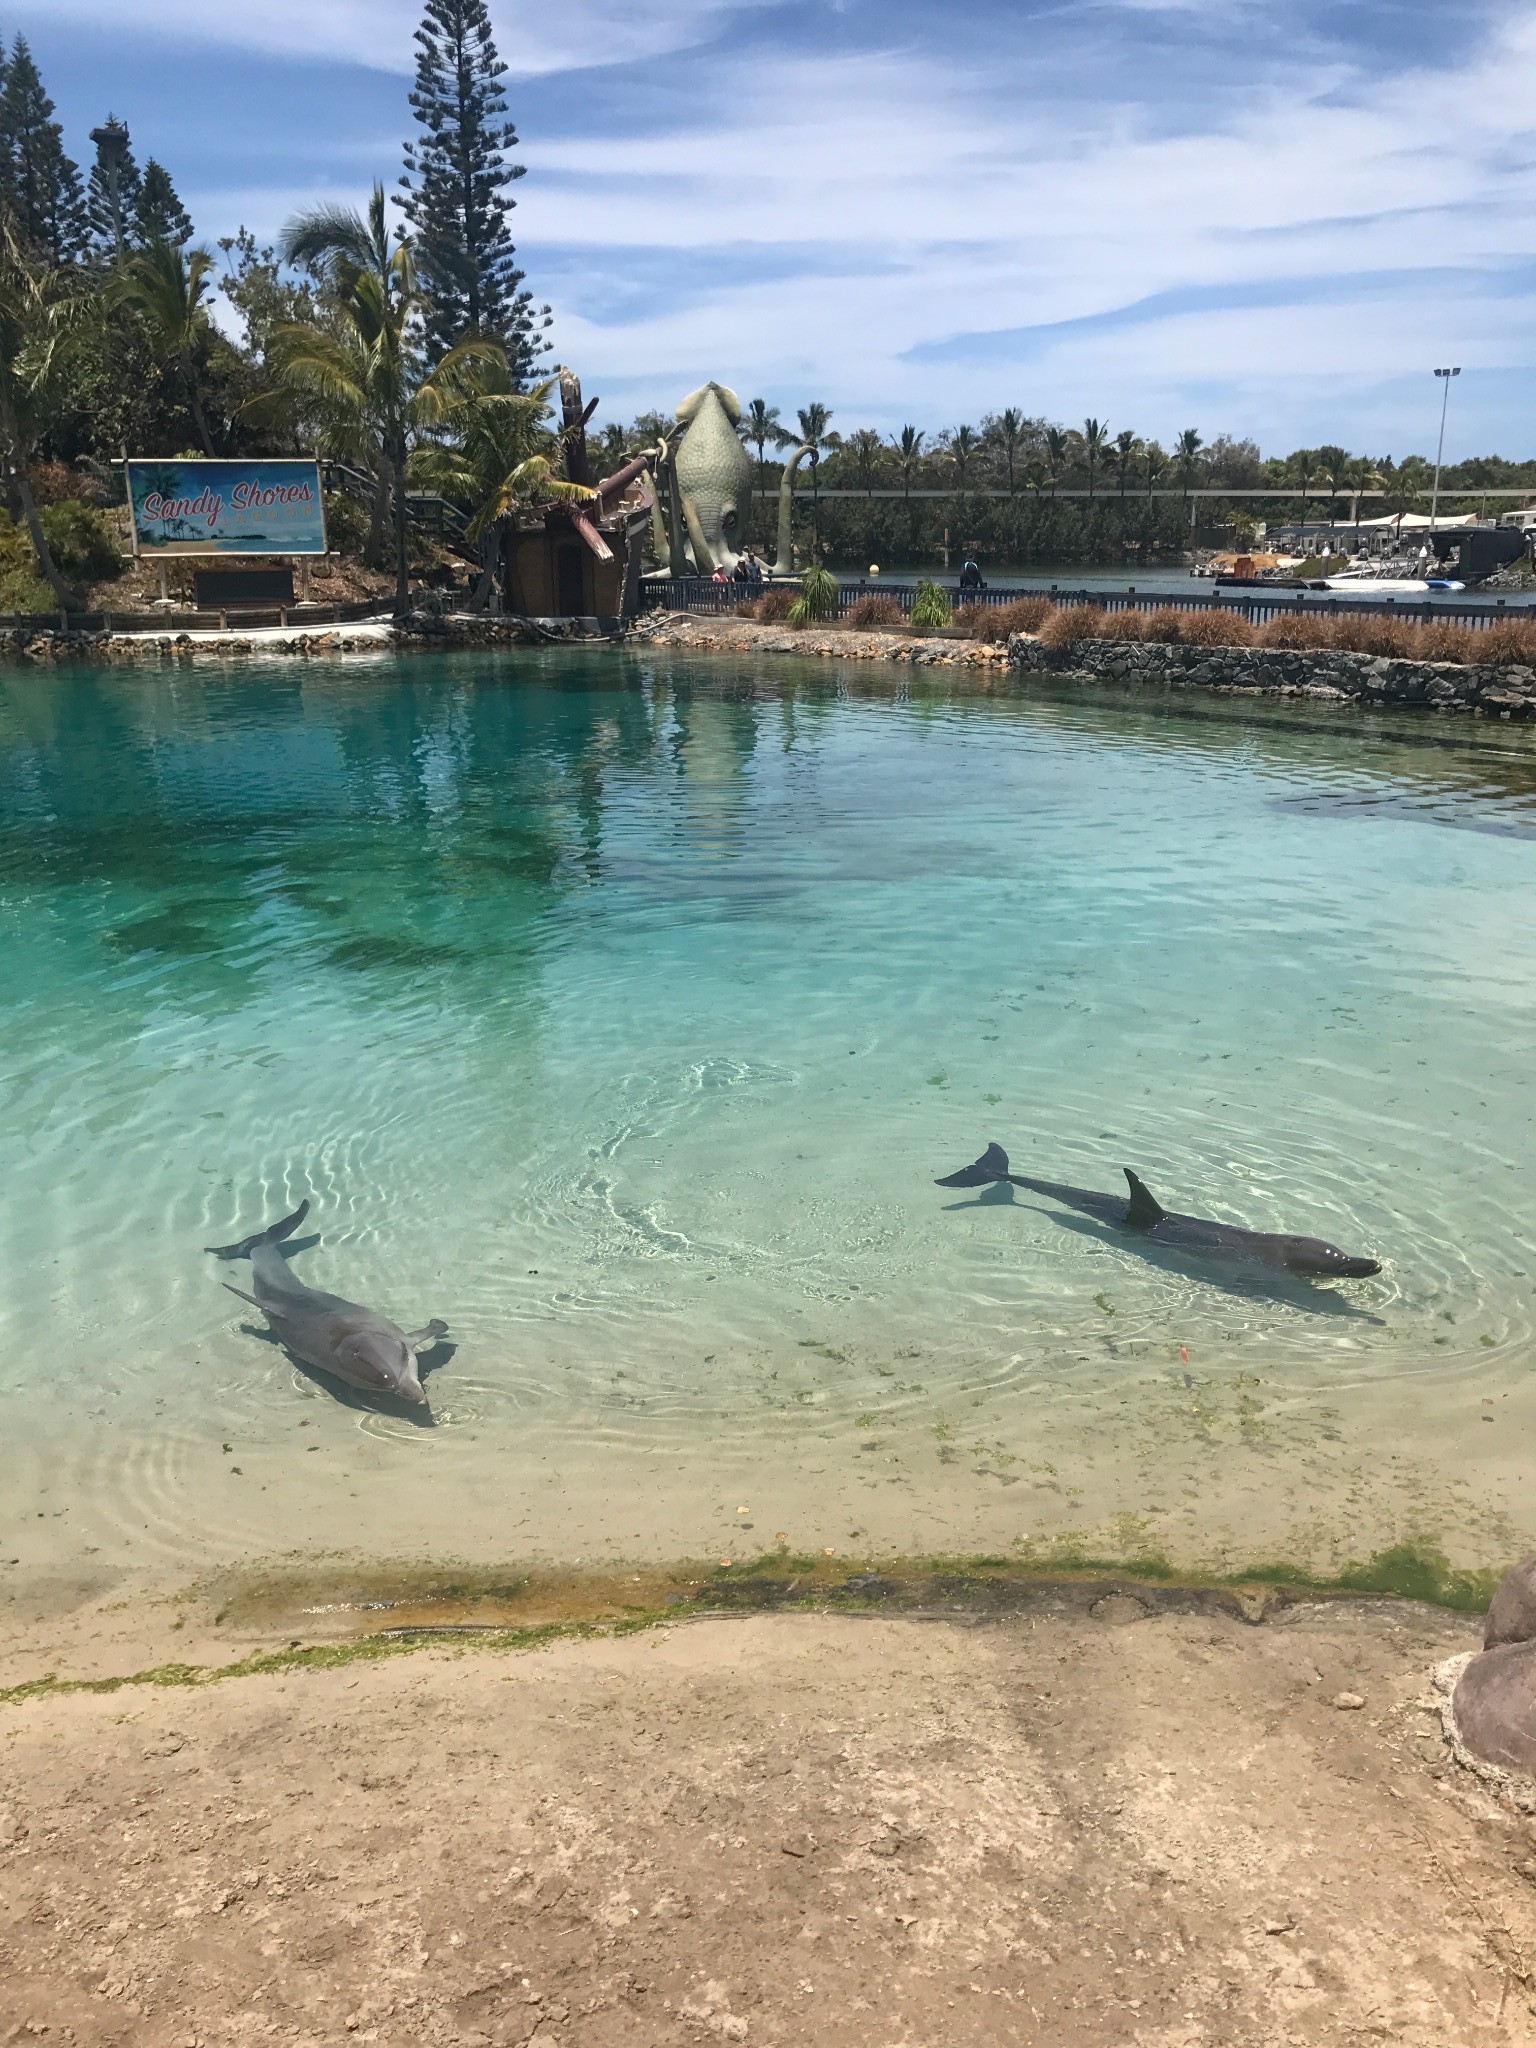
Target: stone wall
1497,690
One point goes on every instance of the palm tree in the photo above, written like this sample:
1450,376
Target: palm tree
1186,450
363,363
960,447
759,426
1007,429
1334,462
909,453
497,453
815,438
866,448
1361,475
1057,448
168,287
1095,439
40,311
1126,445
1303,465
1156,462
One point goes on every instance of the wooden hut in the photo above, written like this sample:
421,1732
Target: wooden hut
580,561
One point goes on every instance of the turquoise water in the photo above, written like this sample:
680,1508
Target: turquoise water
621,1011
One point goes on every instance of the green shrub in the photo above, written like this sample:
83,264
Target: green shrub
22,588
84,547
346,523
84,542
930,607
818,599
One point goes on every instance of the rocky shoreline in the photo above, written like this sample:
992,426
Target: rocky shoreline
1496,690
1502,690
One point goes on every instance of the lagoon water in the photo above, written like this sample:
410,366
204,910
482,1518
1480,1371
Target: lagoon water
621,1010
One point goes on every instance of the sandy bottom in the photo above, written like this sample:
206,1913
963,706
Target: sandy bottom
1092,1823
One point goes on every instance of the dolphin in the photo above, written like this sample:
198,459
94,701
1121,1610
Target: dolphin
1310,1258
357,1344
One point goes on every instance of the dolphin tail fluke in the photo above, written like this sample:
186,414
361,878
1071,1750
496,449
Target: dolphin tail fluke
274,1234
991,1166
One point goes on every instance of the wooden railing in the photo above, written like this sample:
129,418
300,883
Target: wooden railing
231,619
700,594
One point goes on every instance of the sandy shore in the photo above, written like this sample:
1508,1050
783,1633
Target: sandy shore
1089,1823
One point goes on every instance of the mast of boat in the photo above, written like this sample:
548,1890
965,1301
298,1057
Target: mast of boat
1434,502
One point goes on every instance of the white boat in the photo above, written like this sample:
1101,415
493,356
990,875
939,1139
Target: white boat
1363,584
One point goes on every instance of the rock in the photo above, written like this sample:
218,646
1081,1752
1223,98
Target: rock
1512,1617
1494,1705
1348,1702
1117,1609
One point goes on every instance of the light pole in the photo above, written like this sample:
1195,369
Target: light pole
1434,502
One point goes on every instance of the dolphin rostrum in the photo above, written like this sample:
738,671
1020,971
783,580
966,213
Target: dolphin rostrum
357,1344
1311,1258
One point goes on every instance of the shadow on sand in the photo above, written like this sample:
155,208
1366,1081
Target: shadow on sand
1254,1283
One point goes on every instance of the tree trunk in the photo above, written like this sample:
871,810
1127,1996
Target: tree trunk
402,558
197,405
374,554
23,508
490,553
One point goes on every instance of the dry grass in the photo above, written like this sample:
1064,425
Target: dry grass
1446,643
1124,625
1023,615
1070,625
776,604
1216,629
976,620
877,608
1165,625
1509,640
1290,630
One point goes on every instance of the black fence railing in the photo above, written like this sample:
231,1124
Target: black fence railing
700,594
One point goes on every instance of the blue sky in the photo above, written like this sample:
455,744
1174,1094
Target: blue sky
1271,222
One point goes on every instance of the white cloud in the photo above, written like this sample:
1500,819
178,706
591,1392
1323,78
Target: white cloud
982,216
377,33
812,218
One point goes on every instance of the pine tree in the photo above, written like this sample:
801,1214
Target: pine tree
161,217
43,186
456,184
112,198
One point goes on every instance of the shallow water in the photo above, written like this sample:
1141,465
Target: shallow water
622,1010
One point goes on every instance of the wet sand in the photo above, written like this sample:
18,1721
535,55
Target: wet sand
1092,1822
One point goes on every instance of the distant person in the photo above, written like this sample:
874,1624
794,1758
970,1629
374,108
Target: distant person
741,574
970,576
719,576
754,569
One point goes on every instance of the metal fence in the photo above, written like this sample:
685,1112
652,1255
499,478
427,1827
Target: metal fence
701,594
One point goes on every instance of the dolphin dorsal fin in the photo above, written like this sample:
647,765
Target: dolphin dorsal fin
1146,1211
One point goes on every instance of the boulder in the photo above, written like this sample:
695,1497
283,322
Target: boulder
1494,1705
1512,1616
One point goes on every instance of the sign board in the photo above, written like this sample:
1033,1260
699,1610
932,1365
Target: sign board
226,508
